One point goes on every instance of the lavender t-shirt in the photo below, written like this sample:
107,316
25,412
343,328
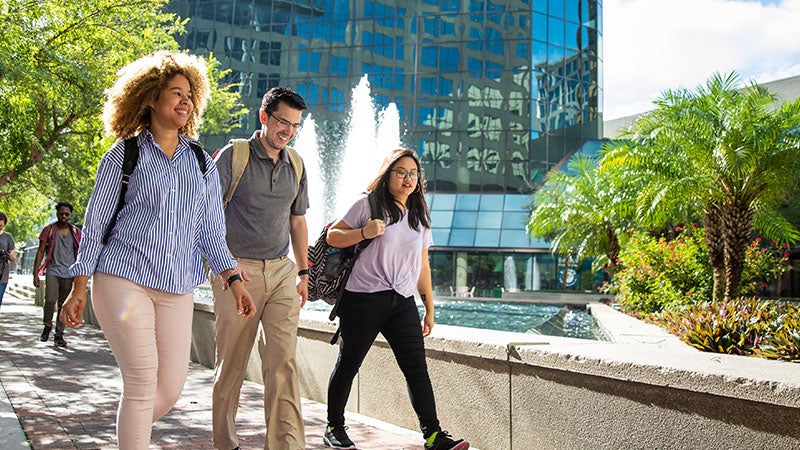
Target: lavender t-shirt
390,261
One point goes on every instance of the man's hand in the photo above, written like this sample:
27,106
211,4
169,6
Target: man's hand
302,290
244,302
36,281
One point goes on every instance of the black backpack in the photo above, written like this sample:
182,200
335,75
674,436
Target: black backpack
329,267
129,163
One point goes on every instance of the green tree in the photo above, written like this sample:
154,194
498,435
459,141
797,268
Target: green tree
56,59
722,154
582,211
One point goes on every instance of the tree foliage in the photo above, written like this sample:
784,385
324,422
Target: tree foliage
720,153
56,60
582,211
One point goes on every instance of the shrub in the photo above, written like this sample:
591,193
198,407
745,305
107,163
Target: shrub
744,326
657,274
784,341
763,263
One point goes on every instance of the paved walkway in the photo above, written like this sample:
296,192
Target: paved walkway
66,398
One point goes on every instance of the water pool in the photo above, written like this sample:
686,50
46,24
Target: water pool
553,320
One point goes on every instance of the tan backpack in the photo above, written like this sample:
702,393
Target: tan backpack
239,159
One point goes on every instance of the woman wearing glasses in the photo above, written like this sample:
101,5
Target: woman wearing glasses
379,295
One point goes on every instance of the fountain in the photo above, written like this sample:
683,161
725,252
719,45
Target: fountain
510,274
370,136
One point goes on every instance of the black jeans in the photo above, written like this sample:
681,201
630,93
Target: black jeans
361,318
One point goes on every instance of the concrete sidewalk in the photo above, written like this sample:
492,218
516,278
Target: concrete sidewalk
67,398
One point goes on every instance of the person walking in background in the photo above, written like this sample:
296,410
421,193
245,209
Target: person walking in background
267,207
379,295
146,268
59,241
7,255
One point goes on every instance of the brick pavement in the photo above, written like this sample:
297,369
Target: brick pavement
66,398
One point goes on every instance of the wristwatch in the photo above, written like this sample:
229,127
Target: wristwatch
302,272
233,278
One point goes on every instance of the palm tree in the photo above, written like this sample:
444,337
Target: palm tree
726,155
580,212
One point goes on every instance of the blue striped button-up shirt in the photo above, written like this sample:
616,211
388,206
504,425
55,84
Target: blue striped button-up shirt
172,214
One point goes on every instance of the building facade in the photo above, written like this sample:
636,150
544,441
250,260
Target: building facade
491,93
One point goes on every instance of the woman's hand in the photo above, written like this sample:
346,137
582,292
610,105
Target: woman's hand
244,302
72,309
427,323
373,228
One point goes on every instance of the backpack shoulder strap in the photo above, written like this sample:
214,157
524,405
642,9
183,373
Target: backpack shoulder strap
200,154
129,160
297,164
239,159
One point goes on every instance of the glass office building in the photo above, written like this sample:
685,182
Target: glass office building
491,93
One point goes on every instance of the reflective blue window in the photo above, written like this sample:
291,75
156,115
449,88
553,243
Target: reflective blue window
556,8
572,11
468,202
515,220
492,202
339,65
462,237
513,238
516,202
449,59
442,219
443,201
539,31
429,56
441,236
487,238
490,219
555,32
465,219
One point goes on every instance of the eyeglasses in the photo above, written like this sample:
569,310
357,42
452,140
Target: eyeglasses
286,123
403,173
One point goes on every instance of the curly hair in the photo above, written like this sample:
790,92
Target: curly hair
127,112
418,212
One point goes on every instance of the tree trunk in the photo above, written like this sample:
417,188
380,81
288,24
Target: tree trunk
564,275
737,226
716,249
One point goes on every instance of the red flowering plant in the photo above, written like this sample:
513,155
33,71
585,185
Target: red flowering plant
658,272
765,262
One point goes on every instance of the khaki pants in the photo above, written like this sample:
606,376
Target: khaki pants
272,286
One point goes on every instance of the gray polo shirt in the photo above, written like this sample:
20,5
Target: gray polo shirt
257,218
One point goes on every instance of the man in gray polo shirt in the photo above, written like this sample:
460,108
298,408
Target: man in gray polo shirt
268,207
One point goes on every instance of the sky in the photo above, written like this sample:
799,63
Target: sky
653,45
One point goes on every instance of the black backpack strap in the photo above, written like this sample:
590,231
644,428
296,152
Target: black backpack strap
200,154
374,214
129,161
128,164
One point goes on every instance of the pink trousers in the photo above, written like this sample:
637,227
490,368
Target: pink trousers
149,332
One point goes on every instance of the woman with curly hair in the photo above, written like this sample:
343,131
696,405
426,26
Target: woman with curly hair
379,295
146,268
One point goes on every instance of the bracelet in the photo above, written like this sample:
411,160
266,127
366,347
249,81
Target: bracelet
302,272
362,233
234,277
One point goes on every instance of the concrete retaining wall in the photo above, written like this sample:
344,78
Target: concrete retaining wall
514,391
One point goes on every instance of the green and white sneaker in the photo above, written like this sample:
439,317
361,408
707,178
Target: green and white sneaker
441,440
337,438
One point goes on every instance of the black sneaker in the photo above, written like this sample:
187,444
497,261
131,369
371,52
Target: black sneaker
45,334
59,340
441,440
337,438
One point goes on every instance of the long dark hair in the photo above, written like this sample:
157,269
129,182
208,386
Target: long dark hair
418,213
